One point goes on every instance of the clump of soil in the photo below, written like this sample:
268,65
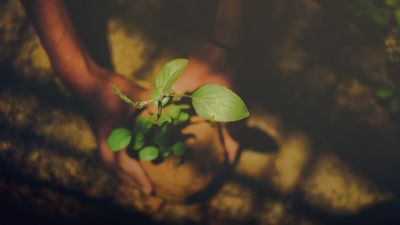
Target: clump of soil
175,179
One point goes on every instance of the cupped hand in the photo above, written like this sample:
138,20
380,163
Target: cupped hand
105,111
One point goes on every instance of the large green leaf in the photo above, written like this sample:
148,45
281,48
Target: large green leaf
119,139
218,103
169,74
148,153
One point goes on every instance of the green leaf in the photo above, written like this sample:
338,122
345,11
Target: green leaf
148,153
395,105
397,16
164,118
183,117
119,139
160,136
169,74
122,96
391,2
218,103
165,101
139,141
379,16
385,93
178,148
174,111
144,124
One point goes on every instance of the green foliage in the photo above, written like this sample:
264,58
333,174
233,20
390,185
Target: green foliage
157,136
138,141
122,96
178,148
169,74
119,139
385,93
148,153
390,98
395,105
217,103
387,14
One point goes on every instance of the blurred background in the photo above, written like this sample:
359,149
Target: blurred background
320,78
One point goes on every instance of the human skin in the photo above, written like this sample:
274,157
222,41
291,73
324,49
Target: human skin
92,85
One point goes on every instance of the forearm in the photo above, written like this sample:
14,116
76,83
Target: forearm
228,22
66,52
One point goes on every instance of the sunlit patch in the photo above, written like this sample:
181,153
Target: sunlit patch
254,164
53,125
12,17
32,59
275,212
334,187
233,201
291,58
17,110
268,123
62,127
290,160
127,48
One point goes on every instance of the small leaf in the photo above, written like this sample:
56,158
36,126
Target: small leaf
184,106
164,118
385,93
165,101
178,148
160,136
154,117
148,153
122,96
119,139
139,141
174,111
390,2
169,74
144,124
397,16
218,103
183,117
395,105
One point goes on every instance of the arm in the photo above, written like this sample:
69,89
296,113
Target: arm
66,51
91,84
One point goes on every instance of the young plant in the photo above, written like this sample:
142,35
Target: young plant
156,136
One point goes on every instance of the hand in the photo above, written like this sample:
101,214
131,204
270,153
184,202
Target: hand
210,64
105,111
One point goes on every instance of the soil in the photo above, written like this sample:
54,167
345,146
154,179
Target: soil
178,179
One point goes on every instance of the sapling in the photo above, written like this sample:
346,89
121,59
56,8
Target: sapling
156,136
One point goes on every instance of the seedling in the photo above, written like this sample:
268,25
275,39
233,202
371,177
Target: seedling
156,136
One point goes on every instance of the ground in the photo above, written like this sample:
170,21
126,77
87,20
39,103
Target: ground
309,70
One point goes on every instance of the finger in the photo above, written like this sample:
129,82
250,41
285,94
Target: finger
135,172
106,154
231,146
